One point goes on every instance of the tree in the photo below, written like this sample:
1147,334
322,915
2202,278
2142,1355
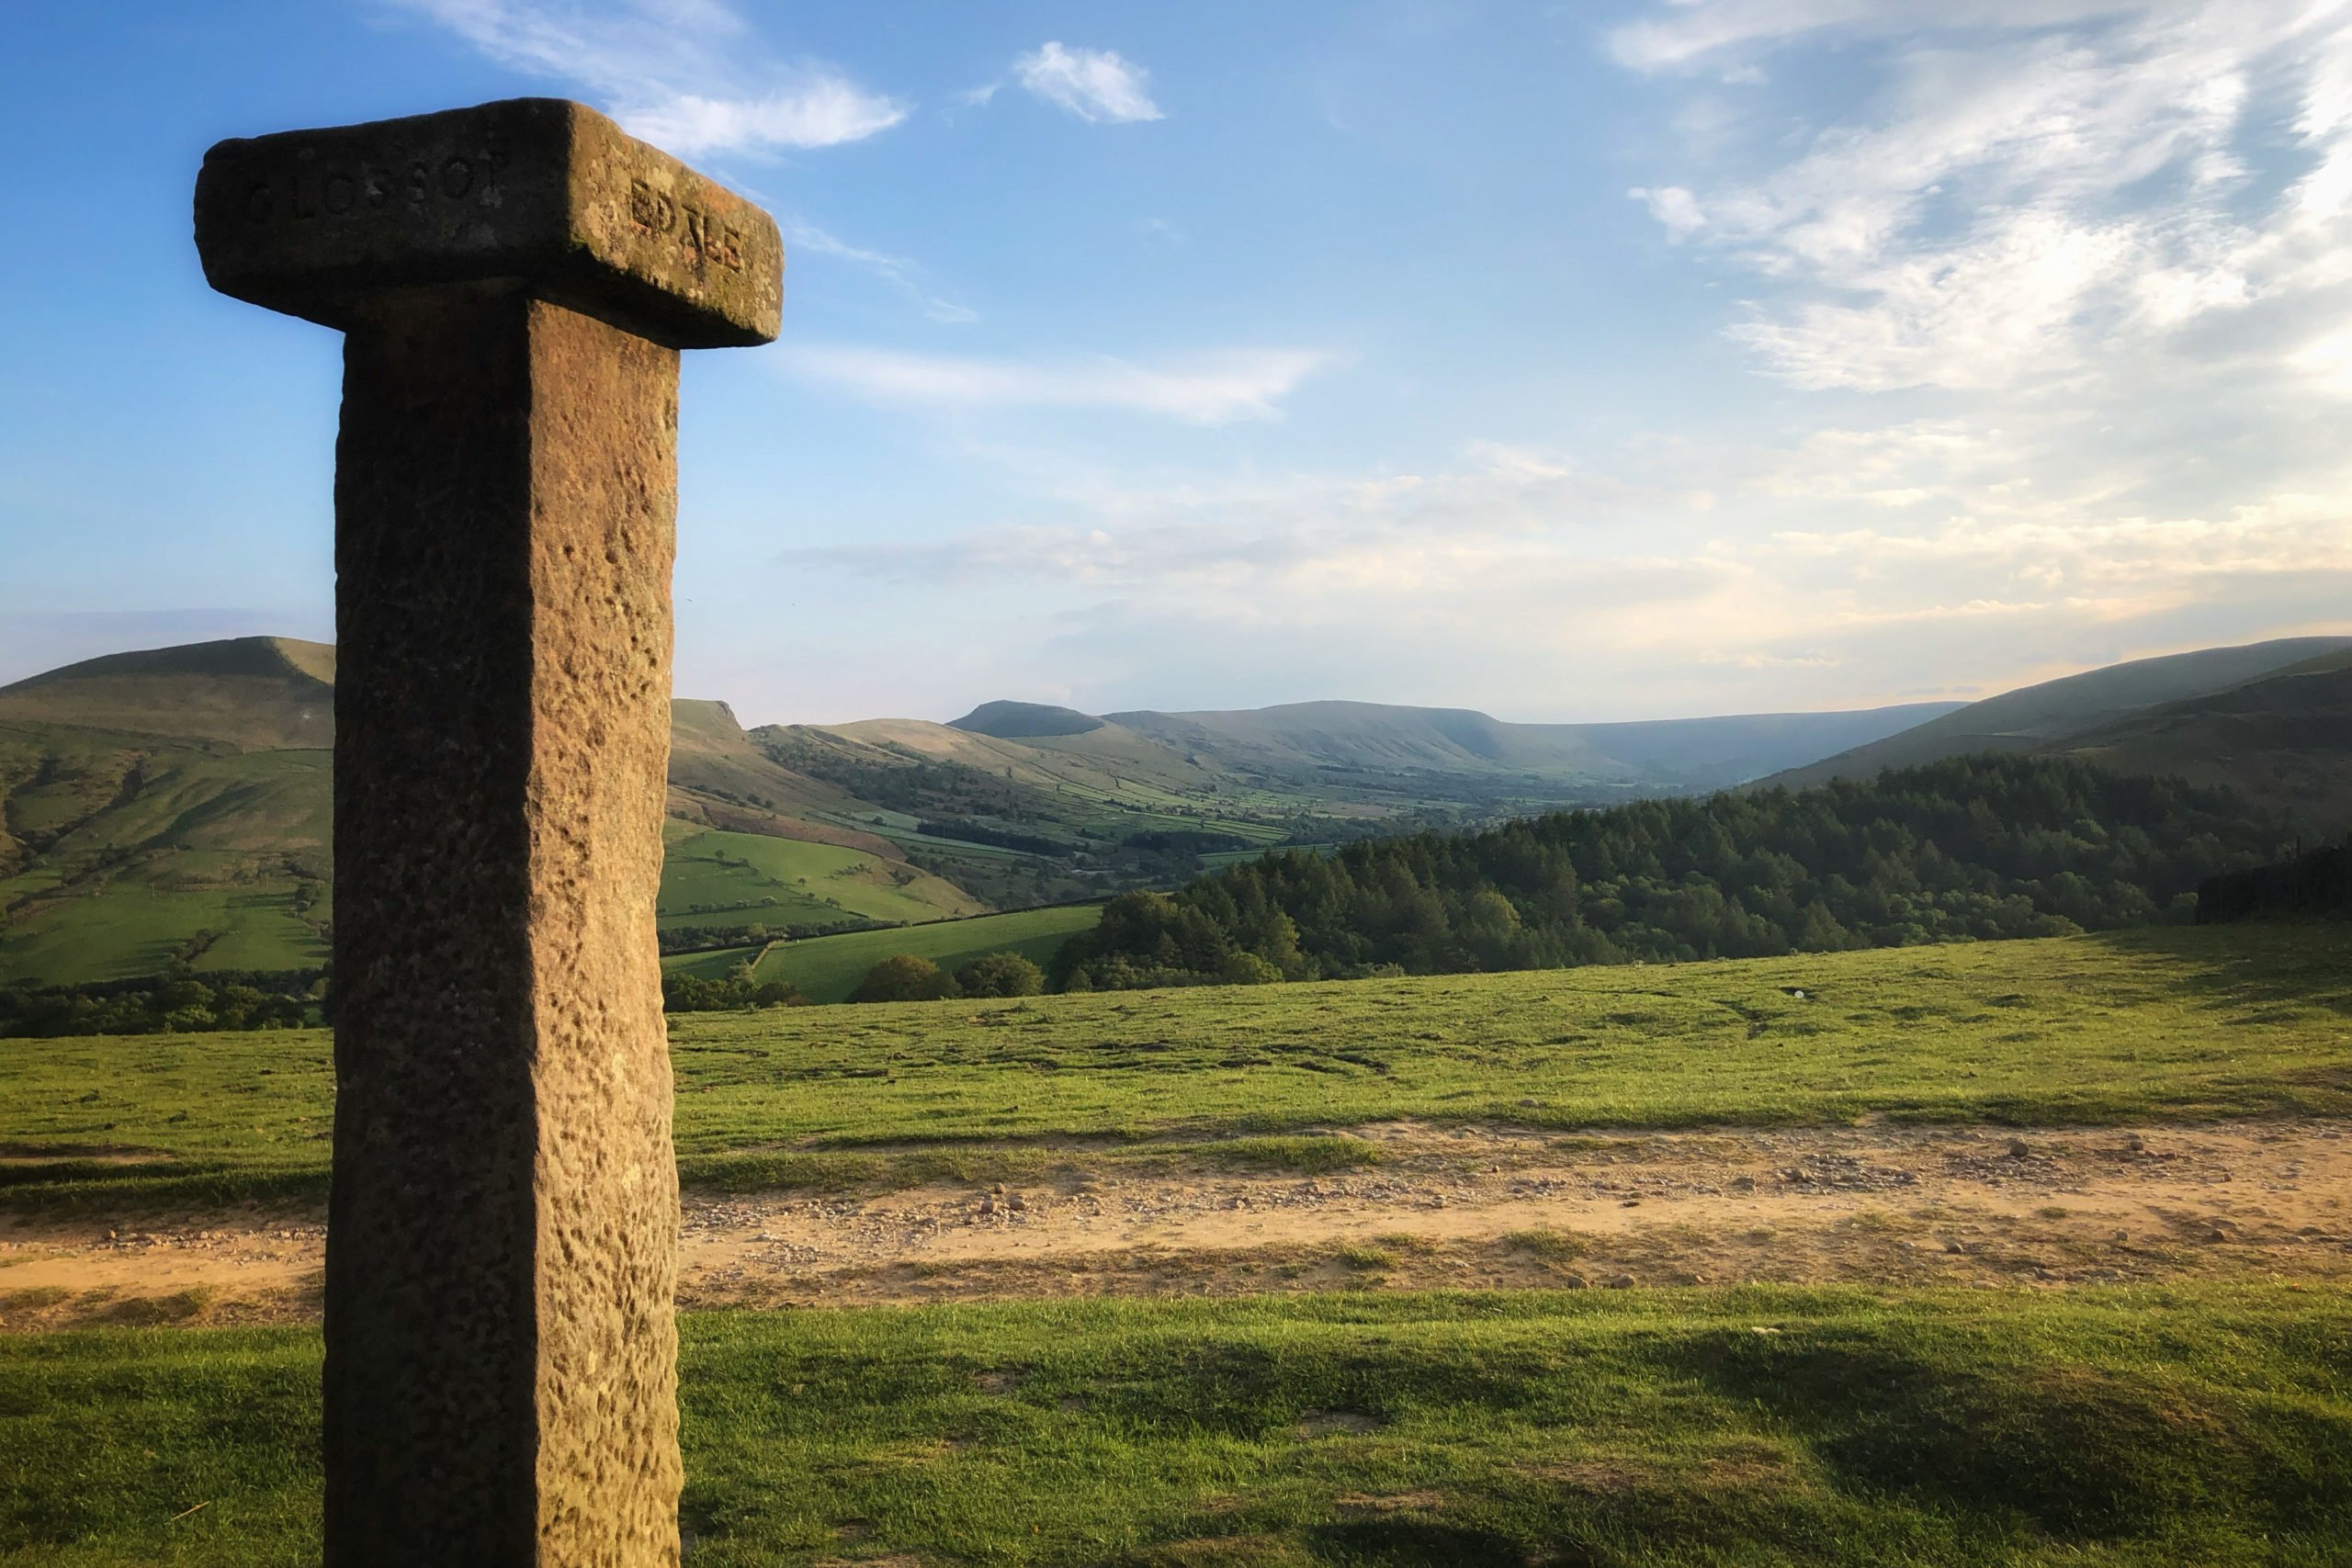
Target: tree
1969,849
1000,974
903,977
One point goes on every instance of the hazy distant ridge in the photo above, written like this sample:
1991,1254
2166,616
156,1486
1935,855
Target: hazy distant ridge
1683,753
2045,717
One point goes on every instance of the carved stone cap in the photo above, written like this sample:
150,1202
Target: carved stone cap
539,190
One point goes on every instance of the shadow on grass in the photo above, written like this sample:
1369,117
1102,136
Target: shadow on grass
2082,1452
80,1187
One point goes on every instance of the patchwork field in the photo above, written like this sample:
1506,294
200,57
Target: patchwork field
828,968
2017,1253
713,878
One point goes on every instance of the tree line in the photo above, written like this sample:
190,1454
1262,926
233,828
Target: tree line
175,1002
1972,849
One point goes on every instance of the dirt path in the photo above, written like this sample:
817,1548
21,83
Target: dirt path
1442,1207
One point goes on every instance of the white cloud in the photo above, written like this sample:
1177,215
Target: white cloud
1673,207
688,75
905,275
825,111
1853,566
1701,32
1094,84
1207,388
2056,298
2045,191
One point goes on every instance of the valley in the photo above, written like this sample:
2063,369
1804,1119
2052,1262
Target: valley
171,809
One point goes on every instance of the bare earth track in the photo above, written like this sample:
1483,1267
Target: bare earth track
1441,1207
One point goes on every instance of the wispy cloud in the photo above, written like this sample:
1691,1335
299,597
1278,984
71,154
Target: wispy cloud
1700,33
690,75
2049,190
1208,388
1093,84
907,277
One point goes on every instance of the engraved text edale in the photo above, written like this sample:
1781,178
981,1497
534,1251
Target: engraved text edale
704,236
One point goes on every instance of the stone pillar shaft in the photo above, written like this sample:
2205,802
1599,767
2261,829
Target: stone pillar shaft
501,1244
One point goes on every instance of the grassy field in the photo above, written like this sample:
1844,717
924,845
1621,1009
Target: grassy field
746,877
132,928
2178,1024
205,839
1715,1427
827,968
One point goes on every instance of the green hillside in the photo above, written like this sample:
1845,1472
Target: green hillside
174,805
713,879
1975,848
125,852
1662,754
2284,740
827,968
255,692
2185,1025
1768,1419
2041,717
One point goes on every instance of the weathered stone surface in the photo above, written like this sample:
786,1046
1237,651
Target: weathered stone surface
502,1241
317,223
515,282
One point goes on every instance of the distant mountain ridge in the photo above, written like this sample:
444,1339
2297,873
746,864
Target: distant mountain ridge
1025,721
2284,740
174,805
1680,753
2130,704
260,693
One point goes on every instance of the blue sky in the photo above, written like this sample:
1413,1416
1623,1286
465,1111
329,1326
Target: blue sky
1569,361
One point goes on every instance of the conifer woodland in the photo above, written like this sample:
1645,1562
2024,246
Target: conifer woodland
1973,849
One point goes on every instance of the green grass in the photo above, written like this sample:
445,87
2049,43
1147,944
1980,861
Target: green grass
746,877
828,968
2173,1024
209,840
1716,1427
131,927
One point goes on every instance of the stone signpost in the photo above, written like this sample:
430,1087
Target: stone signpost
514,283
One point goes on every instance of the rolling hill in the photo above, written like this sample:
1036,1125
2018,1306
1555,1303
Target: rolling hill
2284,740
174,805
1682,754
2054,715
254,693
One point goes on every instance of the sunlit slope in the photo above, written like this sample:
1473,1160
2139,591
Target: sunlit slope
259,693
718,778
2038,717
828,968
718,880
124,853
2180,1024
176,805
1104,783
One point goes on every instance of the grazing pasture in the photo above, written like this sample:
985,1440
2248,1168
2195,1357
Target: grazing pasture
828,968
1716,1427
713,878
2174,1391
2172,1024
